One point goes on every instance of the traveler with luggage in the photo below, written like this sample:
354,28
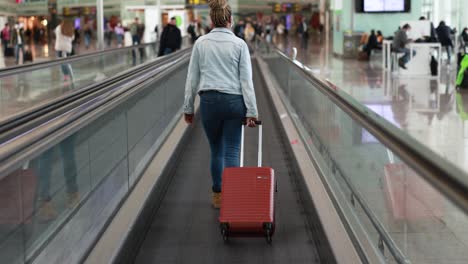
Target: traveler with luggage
171,38
5,38
65,34
220,72
18,40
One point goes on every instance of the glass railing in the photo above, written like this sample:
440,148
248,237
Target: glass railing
401,202
28,87
59,193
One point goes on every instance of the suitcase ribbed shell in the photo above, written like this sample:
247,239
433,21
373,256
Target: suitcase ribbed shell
247,199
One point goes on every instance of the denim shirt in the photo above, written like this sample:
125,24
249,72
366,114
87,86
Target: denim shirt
220,61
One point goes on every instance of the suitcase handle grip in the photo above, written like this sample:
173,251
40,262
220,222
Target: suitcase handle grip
260,140
257,122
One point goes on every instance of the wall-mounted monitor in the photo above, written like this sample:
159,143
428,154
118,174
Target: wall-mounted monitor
383,6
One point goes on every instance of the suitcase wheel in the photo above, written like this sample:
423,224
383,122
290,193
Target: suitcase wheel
268,232
225,231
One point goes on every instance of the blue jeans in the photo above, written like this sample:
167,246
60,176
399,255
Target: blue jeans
66,67
19,47
87,39
167,51
406,57
222,116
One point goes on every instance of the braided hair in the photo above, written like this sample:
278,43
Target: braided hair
220,12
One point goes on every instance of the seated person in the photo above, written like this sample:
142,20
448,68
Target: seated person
372,43
399,45
380,39
363,41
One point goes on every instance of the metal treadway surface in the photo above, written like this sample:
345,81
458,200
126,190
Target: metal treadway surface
185,229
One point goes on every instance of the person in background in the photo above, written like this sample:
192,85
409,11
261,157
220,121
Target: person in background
5,38
372,43
191,30
464,39
239,29
399,44
171,38
226,90
64,34
380,37
269,32
136,40
119,34
18,40
444,34
156,32
47,211
280,29
108,32
249,32
200,29
259,29
140,31
303,31
88,34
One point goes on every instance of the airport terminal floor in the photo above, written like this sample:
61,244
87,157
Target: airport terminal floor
99,167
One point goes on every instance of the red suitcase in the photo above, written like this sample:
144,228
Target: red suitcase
247,198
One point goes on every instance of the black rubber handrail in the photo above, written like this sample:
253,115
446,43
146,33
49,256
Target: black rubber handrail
14,70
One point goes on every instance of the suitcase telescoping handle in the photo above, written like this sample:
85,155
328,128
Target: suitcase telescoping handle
260,139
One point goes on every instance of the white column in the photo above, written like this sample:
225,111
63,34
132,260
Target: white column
100,24
463,16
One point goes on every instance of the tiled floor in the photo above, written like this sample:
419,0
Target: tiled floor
45,52
432,111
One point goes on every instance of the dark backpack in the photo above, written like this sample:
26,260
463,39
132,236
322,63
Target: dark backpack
434,66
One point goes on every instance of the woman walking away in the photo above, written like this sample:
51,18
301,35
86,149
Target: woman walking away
63,45
220,71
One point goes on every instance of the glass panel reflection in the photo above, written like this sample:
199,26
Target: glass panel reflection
371,181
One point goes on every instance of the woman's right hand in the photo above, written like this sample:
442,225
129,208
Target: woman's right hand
189,118
250,121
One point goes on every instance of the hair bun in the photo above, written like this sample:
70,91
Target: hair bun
217,4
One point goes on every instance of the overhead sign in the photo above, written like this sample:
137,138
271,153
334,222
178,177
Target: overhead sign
196,2
291,7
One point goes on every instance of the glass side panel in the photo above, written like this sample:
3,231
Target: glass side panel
25,90
55,205
369,181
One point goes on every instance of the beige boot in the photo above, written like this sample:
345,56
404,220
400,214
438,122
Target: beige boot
47,211
217,200
73,199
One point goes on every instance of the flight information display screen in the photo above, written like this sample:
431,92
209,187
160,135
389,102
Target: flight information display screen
384,5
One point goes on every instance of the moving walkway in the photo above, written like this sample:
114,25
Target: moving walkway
350,184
